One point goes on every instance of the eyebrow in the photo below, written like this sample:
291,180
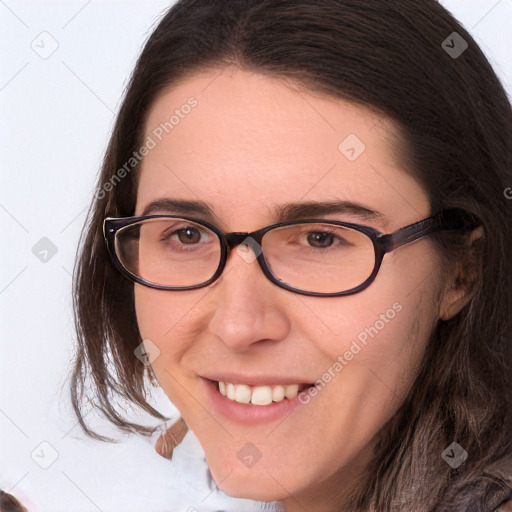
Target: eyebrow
282,213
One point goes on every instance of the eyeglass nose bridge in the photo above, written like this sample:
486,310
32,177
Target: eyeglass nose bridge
254,239
236,238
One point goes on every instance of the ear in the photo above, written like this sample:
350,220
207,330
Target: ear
464,276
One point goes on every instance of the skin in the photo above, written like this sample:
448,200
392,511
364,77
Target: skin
251,143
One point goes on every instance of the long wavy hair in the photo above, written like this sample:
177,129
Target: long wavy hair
456,124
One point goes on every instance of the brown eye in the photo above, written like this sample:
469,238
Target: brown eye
188,235
320,239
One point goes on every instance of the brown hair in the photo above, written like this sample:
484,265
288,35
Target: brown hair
8,503
456,125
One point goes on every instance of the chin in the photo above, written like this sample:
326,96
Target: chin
257,485
257,491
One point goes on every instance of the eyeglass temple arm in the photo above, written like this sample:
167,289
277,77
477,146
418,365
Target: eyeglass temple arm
452,219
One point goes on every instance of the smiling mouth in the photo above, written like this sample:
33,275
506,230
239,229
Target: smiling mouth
259,395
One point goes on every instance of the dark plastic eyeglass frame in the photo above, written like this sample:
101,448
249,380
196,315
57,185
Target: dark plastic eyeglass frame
452,219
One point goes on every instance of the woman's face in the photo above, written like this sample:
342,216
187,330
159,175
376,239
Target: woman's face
249,146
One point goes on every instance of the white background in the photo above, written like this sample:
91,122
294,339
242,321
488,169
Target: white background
56,115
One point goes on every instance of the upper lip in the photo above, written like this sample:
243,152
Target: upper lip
255,380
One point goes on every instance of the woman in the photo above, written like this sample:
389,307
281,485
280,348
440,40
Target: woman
234,254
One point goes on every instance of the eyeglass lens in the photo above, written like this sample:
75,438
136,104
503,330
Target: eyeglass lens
315,257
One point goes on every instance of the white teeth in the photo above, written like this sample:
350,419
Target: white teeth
230,391
242,393
261,395
278,393
291,391
257,395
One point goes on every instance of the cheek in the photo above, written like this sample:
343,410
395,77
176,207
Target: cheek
153,317
167,319
161,314
372,326
381,333
163,317
373,363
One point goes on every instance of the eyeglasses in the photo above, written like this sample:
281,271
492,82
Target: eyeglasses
312,257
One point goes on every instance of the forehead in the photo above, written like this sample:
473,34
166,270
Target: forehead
245,143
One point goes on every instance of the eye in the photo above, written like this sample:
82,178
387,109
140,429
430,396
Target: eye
188,235
320,238
325,237
184,235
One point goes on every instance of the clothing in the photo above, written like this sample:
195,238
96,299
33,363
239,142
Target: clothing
506,506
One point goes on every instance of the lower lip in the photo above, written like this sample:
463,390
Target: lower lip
248,414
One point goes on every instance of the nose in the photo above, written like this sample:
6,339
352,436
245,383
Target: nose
248,308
